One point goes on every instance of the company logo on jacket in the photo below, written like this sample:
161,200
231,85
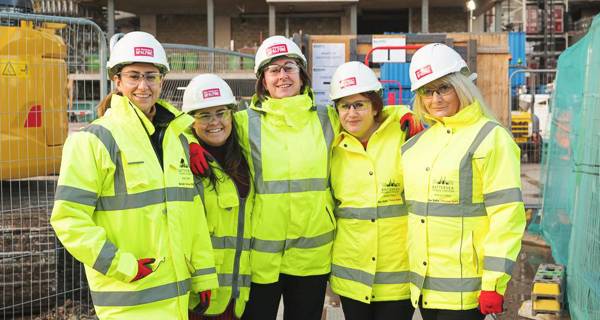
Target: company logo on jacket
277,49
348,82
143,52
211,93
443,185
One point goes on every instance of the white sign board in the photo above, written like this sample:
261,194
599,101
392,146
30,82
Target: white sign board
396,55
326,57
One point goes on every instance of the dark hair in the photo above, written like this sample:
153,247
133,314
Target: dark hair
376,102
235,166
262,92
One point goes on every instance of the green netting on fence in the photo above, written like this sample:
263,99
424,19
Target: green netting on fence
571,209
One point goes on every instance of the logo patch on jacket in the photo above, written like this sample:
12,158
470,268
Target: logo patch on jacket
186,178
391,191
444,189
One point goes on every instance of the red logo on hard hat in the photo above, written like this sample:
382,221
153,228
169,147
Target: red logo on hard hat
143,51
348,82
276,49
211,93
423,71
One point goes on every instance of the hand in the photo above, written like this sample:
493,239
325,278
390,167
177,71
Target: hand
199,160
144,268
490,302
410,125
204,303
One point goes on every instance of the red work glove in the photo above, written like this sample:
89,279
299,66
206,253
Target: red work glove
490,302
204,303
199,159
410,125
144,268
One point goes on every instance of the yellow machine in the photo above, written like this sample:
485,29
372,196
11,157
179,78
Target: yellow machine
33,99
526,134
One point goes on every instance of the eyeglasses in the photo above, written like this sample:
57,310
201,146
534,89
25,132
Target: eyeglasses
207,117
443,90
275,69
358,106
134,78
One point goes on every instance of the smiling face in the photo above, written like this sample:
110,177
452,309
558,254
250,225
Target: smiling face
440,101
357,116
144,93
284,83
213,125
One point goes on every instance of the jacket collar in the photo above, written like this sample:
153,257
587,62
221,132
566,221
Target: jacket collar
464,117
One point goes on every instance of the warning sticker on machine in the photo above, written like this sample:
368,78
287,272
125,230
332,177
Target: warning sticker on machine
12,68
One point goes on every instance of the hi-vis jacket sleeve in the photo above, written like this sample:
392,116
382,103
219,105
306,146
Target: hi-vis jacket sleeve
82,173
203,261
501,179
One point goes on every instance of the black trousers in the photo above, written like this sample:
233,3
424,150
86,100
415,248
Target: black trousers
303,298
381,310
438,314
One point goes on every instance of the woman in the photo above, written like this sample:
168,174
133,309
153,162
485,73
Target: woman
463,190
286,140
126,205
226,191
370,253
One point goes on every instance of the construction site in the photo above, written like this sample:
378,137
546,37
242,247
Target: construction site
537,62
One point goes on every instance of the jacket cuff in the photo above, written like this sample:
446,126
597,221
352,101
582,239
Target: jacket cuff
204,282
124,267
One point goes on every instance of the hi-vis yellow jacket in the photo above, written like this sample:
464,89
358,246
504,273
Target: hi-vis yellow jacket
370,251
229,223
465,212
287,143
115,204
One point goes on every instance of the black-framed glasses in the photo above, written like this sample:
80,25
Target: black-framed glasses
288,67
359,106
133,78
443,89
207,117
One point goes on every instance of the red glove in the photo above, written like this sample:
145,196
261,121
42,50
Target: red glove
199,159
144,268
490,302
204,303
410,125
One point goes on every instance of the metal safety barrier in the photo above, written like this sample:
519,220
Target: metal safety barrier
52,73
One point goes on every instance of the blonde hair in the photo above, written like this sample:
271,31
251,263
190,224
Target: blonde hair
466,91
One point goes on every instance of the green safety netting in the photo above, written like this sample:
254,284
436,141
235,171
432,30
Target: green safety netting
571,208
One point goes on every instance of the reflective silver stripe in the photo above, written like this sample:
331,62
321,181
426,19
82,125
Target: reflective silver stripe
446,209
226,280
371,213
399,277
186,147
284,186
502,196
368,278
465,179
204,271
411,142
134,298
310,242
240,245
352,274
498,264
228,242
105,257
106,137
446,284
76,195
276,246
146,198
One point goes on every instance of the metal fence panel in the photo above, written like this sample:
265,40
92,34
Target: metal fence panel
41,60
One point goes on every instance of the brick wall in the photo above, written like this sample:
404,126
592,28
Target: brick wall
442,20
185,29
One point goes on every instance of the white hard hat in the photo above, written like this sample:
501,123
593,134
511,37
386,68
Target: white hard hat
432,62
276,46
352,78
135,47
205,91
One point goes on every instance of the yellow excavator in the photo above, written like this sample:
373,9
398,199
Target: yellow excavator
33,95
